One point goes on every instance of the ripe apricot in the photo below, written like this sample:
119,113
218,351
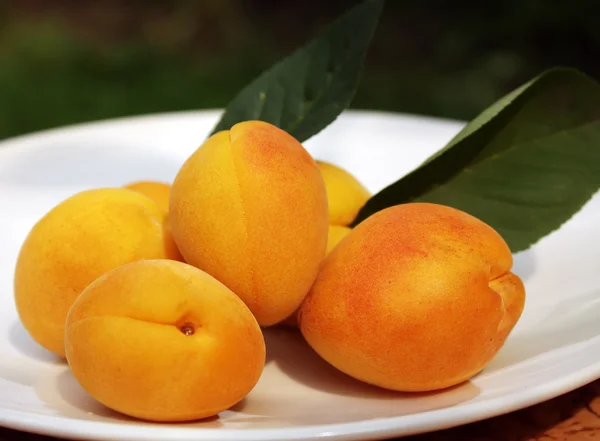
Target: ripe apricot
159,192
335,235
345,194
78,240
249,207
163,341
417,297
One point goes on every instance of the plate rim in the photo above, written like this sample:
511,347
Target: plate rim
212,112
358,430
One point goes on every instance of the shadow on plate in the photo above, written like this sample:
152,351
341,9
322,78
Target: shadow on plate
86,165
64,394
571,321
22,342
300,389
524,264
77,400
293,356
15,371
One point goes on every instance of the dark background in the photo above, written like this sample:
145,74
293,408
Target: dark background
66,61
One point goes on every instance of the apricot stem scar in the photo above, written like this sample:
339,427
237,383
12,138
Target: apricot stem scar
188,328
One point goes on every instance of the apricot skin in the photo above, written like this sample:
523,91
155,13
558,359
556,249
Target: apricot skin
417,297
158,191
249,207
335,235
345,194
78,240
161,340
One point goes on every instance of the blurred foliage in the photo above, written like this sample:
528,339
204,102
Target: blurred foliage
68,61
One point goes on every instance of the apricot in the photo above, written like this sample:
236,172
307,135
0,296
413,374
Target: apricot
417,297
161,340
249,207
345,194
336,234
160,193
75,242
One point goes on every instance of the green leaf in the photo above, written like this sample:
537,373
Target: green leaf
306,91
524,166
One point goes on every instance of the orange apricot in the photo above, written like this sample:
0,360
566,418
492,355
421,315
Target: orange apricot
159,192
78,240
335,235
417,297
345,194
249,207
161,340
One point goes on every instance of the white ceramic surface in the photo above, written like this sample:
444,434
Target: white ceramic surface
554,348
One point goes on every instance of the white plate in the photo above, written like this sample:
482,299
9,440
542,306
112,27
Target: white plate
554,348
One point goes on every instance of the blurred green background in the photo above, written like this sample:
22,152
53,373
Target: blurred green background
68,61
